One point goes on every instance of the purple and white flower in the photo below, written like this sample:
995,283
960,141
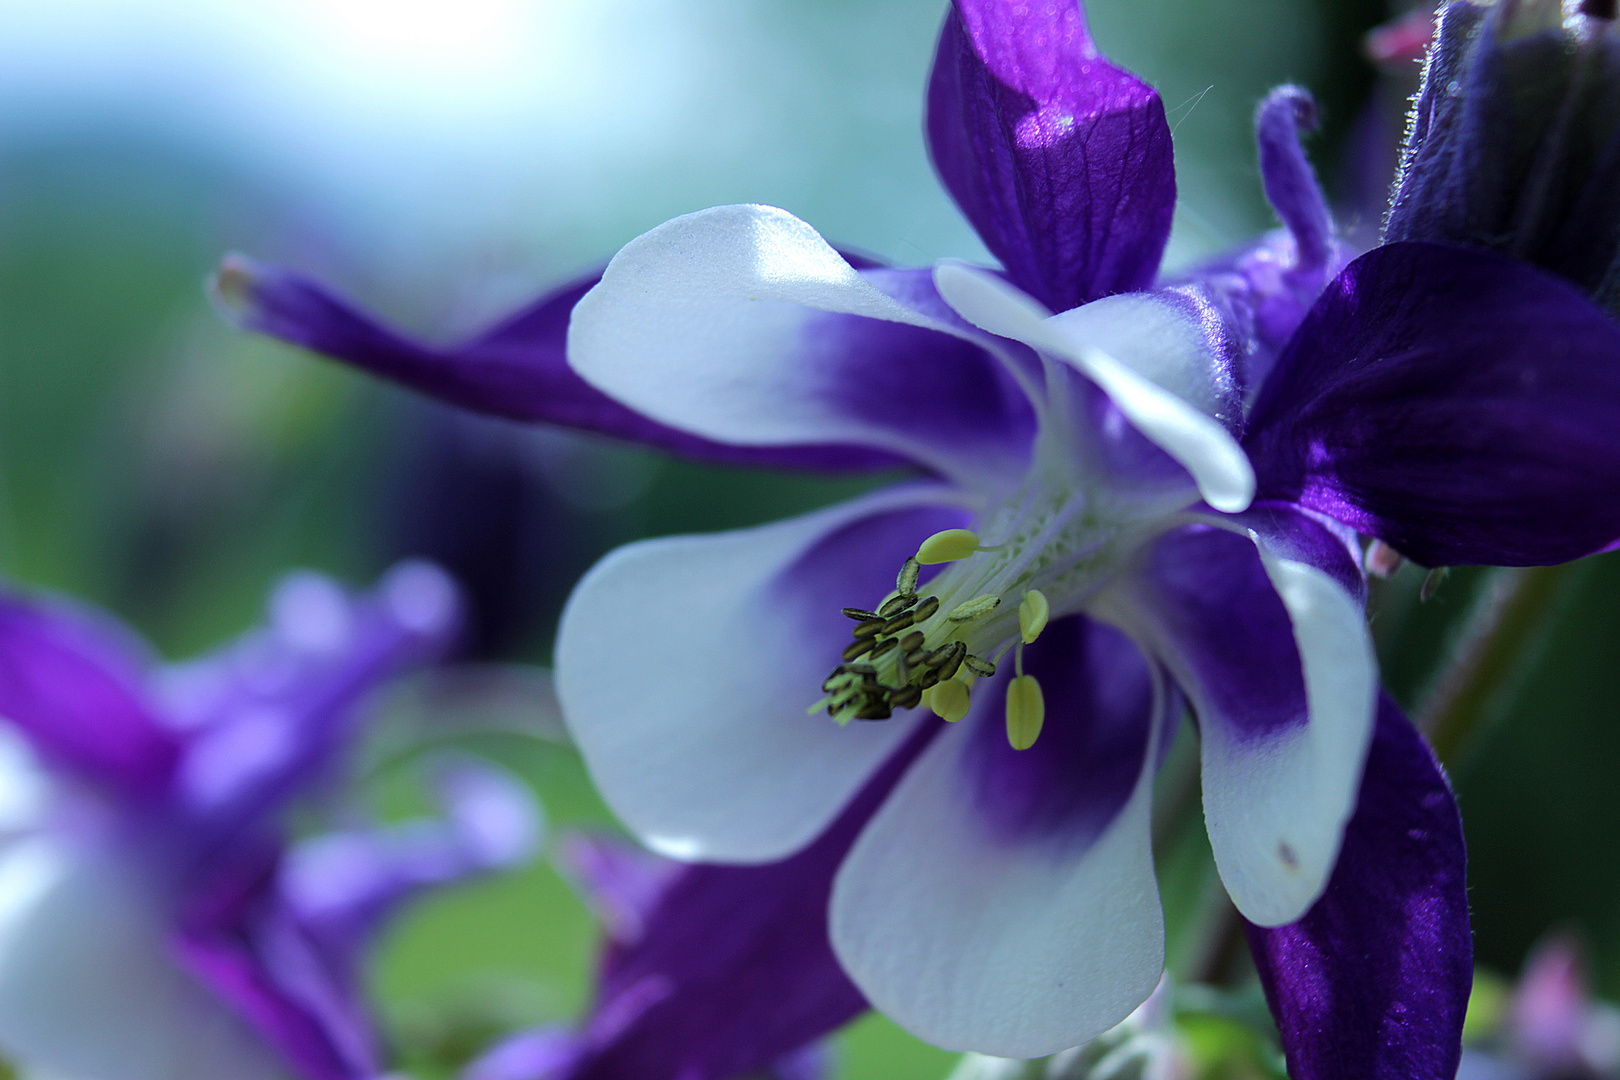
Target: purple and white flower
155,923
1131,495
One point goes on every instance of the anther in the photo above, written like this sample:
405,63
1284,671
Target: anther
899,622
906,698
894,605
868,629
981,667
948,546
950,700
926,607
948,660
860,614
979,606
880,649
906,583
911,640
1026,712
857,649
1033,612
874,709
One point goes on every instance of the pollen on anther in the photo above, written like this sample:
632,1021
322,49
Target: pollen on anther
948,546
968,610
1033,612
950,700
905,583
1026,712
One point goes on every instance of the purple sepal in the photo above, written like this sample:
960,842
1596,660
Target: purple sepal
517,370
1373,982
77,688
733,970
282,938
1061,160
1460,405
267,715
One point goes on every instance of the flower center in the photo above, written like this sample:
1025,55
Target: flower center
928,645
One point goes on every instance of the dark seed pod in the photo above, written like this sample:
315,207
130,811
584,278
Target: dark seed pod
907,698
880,649
860,614
926,607
895,605
869,629
857,649
906,583
981,667
899,622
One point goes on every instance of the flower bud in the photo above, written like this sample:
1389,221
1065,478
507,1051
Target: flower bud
1514,139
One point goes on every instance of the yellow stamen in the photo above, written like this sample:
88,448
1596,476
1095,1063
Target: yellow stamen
948,546
950,700
1033,611
1026,712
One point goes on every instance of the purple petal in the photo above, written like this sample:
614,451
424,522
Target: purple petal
269,713
1081,771
1273,652
621,882
1061,160
342,886
734,970
1003,901
541,1054
516,370
241,939
1459,405
75,686
708,753
1373,982
742,324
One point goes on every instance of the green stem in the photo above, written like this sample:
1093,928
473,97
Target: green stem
1511,610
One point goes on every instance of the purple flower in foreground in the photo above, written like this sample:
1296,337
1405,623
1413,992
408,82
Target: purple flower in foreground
154,922
1150,495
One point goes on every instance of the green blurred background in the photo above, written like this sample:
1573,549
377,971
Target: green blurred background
156,462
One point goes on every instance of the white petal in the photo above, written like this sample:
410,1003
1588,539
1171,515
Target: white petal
684,670
733,323
89,988
1276,806
974,941
1145,355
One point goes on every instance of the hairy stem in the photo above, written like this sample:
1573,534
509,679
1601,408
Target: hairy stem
1508,616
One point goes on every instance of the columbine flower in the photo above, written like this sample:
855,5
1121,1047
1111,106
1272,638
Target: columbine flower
1151,494
154,923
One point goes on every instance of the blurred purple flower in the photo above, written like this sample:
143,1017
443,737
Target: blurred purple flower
154,921
1552,1028
1177,472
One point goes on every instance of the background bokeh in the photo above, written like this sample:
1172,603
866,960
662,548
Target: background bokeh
444,160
